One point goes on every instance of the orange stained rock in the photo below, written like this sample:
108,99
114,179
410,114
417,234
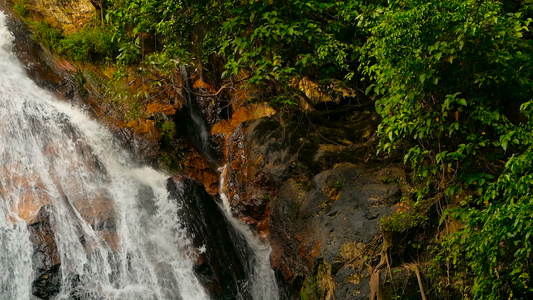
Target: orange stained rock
29,204
309,253
243,114
94,208
109,71
197,168
248,220
240,96
264,224
276,254
311,89
142,126
315,251
241,173
200,83
69,16
243,94
287,272
302,249
308,249
25,192
157,107
64,66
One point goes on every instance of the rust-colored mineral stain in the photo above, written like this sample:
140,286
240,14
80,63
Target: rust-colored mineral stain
157,107
264,224
243,114
197,168
30,190
142,127
200,83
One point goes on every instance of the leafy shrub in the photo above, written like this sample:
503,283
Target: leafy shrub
46,34
91,44
21,8
453,81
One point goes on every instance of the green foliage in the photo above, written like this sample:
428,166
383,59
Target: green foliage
172,156
80,81
46,34
337,185
404,219
21,8
271,41
176,24
91,44
445,85
277,40
284,99
319,285
496,240
169,163
168,132
453,81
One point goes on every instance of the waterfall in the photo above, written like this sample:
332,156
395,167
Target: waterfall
263,282
116,231
261,278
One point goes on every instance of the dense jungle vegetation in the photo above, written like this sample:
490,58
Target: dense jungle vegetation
451,79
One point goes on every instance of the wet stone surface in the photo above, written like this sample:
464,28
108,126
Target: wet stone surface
45,258
221,266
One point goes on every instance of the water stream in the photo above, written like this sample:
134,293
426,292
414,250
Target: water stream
117,232
197,128
264,284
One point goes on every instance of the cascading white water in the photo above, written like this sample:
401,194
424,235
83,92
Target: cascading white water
263,282
117,232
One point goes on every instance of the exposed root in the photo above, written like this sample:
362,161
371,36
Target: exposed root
375,284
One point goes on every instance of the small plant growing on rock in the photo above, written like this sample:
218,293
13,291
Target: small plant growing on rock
333,191
21,8
406,217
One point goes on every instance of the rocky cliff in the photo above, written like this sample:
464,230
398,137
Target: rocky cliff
318,200
307,181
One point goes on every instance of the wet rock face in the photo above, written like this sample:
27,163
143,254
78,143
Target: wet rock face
263,154
221,265
45,258
199,168
313,188
40,65
145,148
330,221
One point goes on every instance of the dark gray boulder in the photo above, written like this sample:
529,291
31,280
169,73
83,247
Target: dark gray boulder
46,261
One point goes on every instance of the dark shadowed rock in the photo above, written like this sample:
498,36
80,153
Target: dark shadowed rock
45,258
222,266
331,221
